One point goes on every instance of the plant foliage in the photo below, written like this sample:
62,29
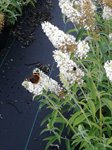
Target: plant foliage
13,8
83,117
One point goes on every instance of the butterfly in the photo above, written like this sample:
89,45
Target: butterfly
34,78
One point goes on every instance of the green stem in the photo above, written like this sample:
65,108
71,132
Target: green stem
79,107
87,100
100,111
67,122
98,96
101,118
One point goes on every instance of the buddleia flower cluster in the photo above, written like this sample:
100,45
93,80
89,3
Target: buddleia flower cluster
107,9
80,104
45,83
65,42
82,49
79,12
2,20
110,37
58,38
108,69
69,72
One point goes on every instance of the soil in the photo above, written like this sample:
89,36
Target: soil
24,31
4,37
31,18
17,108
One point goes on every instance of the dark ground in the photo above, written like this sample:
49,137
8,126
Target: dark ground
31,18
16,106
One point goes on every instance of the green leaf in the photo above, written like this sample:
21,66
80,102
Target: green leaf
100,146
71,31
44,130
108,103
58,136
92,88
79,120
53,118
109,141
67,143
80,34
104,34
92,107
89,147
83,104
60,120
76,141
94,124
74,116
50,140
85,146
45,119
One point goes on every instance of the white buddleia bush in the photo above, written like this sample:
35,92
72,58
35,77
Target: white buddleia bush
79,101
81,12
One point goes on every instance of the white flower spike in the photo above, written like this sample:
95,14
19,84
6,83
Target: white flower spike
58,38
108,69
69,71
44,83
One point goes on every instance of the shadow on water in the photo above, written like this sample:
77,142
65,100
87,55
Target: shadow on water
16,106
